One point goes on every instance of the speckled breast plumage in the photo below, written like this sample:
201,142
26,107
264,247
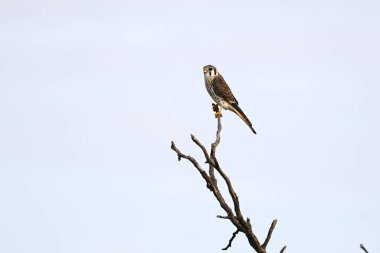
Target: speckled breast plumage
219,100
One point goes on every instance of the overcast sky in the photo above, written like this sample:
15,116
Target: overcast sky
92,93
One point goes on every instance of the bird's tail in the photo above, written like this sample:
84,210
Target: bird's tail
241,114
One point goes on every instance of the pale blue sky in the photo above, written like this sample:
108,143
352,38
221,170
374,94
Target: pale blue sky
92,93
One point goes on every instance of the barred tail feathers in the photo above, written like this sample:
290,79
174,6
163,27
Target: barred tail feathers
241,114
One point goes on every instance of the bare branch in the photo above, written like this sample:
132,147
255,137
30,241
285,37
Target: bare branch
249,223
363,248
237,218
212,152
272,226
208,160
230,241
231,190
217,138
283,249
223,217
194,162
208,180
196,141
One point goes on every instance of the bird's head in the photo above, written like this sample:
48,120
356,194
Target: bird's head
210,71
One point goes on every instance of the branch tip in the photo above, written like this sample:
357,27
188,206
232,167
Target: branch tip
223,217
270,231
283,249
230,241
363,248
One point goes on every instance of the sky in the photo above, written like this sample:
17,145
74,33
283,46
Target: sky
93,92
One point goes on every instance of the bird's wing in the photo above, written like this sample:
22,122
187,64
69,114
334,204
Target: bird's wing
222,90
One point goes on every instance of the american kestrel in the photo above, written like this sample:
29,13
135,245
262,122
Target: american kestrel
222,94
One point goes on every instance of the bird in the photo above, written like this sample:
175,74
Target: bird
221,93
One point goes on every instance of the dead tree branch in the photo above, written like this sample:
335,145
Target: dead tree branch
230,241
283,249
272,226
363,248
233,214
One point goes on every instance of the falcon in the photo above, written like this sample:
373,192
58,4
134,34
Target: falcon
222,95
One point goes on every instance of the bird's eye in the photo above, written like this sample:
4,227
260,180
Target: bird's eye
209,69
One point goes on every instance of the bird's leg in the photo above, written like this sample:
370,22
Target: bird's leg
218,114
215,107
217,110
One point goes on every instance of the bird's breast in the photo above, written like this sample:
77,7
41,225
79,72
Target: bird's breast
219,100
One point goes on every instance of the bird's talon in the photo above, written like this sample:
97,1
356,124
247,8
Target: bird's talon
215,107
218,114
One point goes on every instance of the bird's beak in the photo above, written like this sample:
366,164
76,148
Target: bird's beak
205,70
